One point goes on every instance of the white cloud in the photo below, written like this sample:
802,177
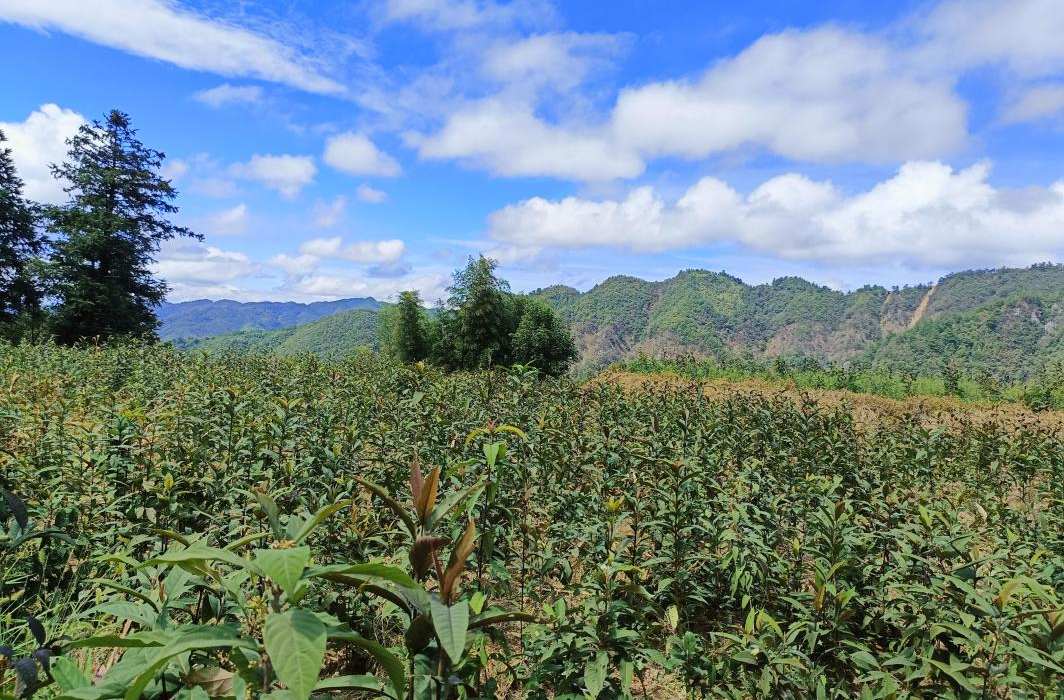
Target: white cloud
227,222
509,140
295,264
371,195
821,95
338,286
193,263
560,59
202,175
1037,103
449,15
226,94
927,214
175,169
1024,35
366,252
354,154
328,215
36,144
286,174
162,30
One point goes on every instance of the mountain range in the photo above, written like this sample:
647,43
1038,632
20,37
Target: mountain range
203,318
1006,321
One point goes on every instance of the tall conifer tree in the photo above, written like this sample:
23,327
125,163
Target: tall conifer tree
109,234
20,245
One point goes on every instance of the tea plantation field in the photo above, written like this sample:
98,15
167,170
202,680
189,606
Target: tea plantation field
178,525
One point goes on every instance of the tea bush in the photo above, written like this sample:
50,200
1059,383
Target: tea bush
179,525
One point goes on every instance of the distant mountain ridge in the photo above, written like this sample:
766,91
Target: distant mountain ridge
1009,321
204,318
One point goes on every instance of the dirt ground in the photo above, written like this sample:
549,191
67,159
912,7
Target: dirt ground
867,409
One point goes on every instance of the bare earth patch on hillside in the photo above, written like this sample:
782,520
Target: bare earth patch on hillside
868,409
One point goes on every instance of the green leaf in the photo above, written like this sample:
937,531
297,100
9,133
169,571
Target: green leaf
269,507
201,553
295,641
957,674
451,624
319,517
595,674
283,566
396,507
187,639
371,571
391,663
132,641
498,617
361,682
68,676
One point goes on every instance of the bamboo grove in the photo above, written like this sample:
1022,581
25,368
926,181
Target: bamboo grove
193,526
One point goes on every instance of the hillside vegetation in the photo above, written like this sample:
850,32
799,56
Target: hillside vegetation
1003,322
338,333
203,318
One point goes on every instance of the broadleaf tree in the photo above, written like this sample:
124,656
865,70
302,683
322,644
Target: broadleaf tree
109,233
542,340
482,324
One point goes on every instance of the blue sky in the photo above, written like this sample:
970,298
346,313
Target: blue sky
338,149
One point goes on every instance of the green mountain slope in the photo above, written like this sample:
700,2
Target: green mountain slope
332,335
203,318
1012,337
1009,321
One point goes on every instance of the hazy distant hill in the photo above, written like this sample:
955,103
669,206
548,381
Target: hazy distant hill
199,319
1009,321
333,334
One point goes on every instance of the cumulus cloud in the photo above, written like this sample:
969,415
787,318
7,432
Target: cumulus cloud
1022,35
353,153
327,215
1036,103
227,222
295,264
927,214
510,140
558,59
821,95
162,30
36,144
226,94
286,174
339,286
193,263
371,195
367,252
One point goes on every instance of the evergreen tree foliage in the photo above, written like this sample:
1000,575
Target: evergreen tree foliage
542,340
477,321
110,231
951,378
20,245
483,324
409,341
481,300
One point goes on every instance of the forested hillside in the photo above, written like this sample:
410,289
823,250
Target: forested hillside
203,318
1004,321
338,333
